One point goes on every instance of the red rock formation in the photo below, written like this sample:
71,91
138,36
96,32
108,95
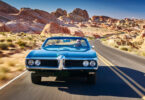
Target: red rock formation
93,25
59,12
79,33
103,19
6,8
55,28
83,25
80,12
24,26
35,14
99,18
96,36
79,15
143,26
4,28
143,34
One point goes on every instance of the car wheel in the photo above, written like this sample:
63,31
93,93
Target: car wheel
36,79
92,78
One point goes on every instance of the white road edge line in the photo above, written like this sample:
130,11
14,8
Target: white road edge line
9,82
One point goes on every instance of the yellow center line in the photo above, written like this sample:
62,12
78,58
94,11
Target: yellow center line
111,66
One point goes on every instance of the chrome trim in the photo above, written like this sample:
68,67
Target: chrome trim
42,58
61,62
64,68
47,58
70,68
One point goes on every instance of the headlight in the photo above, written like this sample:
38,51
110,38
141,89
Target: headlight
85,63
30,62
92,63
37,62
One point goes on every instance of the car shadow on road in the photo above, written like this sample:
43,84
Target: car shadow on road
107,84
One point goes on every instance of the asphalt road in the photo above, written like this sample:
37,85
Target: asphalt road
121,76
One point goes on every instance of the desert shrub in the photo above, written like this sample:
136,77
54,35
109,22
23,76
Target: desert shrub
3,46
1,62
3,33
9,40
142,53
4,69
11,44
42,40
116,46
90,38
11,63
21,34
22,47
22,43
103,39
20,68
2,40
124,48
3,76
1,52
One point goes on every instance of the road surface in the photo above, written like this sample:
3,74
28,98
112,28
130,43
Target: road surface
121,76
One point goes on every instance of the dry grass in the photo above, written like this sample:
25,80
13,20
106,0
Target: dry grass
3,76
3,46
13,50
11,63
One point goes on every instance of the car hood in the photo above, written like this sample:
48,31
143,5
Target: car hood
68,54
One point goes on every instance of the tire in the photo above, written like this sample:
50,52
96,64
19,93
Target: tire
92,78
36,79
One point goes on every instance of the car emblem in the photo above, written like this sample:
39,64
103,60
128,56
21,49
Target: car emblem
60,59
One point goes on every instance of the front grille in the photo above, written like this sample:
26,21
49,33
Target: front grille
73,63
48,63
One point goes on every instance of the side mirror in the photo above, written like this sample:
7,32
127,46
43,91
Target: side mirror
93,47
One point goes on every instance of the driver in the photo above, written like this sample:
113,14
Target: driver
78,44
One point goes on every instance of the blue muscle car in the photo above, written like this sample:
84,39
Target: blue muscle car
59,54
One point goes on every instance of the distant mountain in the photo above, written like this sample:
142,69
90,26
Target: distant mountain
6,8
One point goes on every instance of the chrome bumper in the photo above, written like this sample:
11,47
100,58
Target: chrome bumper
63,68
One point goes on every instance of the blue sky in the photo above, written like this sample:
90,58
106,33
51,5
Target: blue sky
113,8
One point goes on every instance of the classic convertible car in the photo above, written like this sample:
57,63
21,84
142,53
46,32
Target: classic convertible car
63,54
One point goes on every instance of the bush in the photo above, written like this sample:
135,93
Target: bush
116,46
29,38
9,40
11,45
1,52
142,53
124,48
3,33
3,76
42,40
2,40
22,47
3,46
21,68
4,69
22,43
10,63
103,39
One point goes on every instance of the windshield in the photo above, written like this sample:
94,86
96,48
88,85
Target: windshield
66,44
